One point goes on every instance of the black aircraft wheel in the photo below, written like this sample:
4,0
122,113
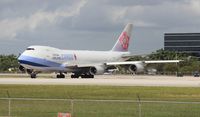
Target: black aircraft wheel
74,76
60,76
91,76
57,76
87,76
83,76
33,75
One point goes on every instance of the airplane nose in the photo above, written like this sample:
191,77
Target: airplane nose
19,58
23,59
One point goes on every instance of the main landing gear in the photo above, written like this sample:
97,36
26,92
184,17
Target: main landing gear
82,76
61,75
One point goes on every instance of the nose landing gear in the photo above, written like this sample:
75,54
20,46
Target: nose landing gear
33,75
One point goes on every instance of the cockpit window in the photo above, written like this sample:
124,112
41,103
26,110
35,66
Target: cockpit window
30,49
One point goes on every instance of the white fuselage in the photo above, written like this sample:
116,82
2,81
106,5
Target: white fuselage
45,58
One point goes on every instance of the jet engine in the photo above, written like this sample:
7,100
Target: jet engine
97,70
136,68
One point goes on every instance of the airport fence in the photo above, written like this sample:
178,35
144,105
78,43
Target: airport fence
31,107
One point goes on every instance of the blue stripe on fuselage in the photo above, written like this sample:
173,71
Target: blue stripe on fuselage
32,63
38,62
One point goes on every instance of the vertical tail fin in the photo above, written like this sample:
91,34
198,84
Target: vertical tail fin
122,43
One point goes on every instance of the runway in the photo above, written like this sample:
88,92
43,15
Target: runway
109,80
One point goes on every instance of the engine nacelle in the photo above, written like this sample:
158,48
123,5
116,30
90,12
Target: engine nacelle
136,68
97,70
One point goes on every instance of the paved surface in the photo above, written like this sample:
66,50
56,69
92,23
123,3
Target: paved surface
111,80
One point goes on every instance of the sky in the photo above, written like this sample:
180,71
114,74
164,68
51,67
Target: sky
93,24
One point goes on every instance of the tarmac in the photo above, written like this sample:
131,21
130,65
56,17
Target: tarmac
104,80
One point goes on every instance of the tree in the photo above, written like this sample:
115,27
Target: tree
8,61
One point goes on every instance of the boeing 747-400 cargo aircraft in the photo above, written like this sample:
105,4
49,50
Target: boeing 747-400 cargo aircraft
81,63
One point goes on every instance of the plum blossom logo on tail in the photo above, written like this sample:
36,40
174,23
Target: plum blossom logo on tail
124,40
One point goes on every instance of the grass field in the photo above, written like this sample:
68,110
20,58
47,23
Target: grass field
29,108
100,92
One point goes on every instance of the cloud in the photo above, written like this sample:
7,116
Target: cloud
10,27
65,23
142,2
194,7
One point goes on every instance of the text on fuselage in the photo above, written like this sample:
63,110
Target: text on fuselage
66,57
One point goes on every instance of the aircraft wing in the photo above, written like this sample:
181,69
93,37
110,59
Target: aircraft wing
145,62
163,61
123,63
81,65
